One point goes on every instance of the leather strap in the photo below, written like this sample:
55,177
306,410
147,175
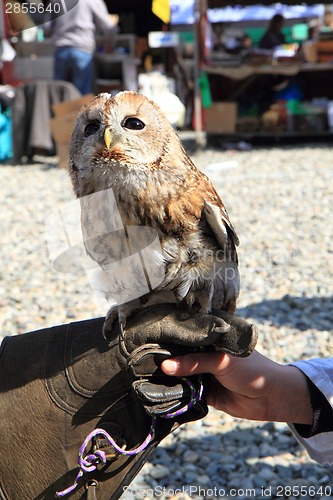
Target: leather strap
92,487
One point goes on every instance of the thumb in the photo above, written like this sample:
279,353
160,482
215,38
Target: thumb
192,364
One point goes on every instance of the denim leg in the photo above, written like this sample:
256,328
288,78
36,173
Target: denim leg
61,68
75,66
82,70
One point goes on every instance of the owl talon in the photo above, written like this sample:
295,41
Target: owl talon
108,324
106,333
222,329
122,325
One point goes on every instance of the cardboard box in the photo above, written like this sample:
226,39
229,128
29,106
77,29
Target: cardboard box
63,123
73,106
325,50
310,52
221,118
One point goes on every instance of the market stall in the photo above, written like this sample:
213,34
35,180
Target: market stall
246,76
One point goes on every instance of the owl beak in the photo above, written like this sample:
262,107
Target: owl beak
108,138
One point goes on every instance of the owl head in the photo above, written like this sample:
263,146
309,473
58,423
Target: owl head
113,134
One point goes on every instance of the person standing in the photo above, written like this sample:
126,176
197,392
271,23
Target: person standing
73,36
273,36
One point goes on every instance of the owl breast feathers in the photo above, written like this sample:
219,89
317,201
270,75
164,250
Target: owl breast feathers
126,144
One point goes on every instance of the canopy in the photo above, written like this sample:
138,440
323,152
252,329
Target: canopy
182,12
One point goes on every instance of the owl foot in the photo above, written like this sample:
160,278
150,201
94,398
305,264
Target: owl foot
184,311
119,313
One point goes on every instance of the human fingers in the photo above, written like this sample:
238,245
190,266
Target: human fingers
195,363
248,376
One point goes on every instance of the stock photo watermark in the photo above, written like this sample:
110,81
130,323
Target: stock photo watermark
87,237
24,15
190,491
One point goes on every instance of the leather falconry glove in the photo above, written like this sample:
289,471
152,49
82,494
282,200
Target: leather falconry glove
79,416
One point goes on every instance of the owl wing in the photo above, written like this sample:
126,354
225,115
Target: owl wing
226,290
219,222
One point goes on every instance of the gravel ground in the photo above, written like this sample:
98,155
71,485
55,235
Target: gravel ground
279,200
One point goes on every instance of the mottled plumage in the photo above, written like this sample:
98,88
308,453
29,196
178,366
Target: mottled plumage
126,144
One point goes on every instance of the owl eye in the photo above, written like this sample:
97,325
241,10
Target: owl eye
91,128
133,124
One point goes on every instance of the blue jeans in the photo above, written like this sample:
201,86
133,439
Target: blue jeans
76,66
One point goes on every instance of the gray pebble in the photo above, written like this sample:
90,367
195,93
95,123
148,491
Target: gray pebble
190,456
159,471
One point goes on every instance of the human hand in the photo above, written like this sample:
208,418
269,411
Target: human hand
114,18
255,388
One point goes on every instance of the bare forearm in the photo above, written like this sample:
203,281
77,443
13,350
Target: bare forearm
290,398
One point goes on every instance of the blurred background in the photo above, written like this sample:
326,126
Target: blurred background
214,68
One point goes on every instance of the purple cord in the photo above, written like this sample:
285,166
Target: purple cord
195,397
88,463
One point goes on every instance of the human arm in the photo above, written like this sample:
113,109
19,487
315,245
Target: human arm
105,22
257,388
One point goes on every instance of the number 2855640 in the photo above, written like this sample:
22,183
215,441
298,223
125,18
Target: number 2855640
32,8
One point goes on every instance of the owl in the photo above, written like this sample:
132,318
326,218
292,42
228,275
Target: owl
125,145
